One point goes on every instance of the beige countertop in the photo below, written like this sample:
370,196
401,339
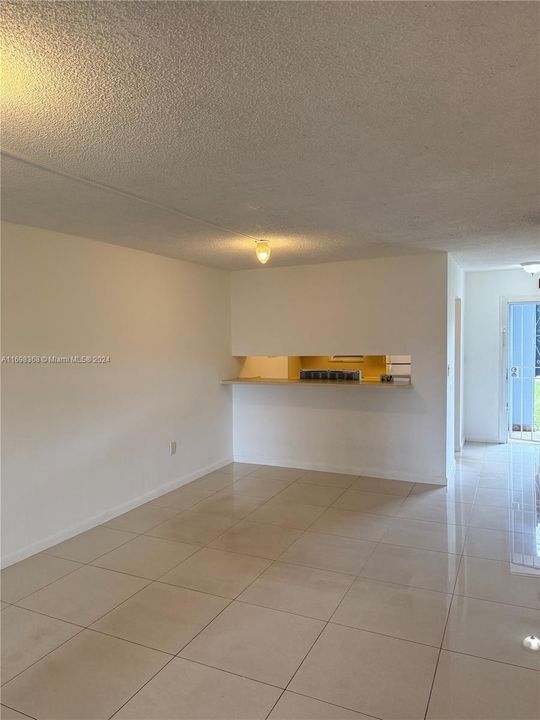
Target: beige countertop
333,383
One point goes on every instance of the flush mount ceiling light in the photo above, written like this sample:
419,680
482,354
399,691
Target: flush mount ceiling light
531,642
262,250
531,267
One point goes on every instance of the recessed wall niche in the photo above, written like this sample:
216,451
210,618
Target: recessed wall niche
359,368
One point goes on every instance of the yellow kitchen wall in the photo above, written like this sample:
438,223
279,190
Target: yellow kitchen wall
282,366
264,366
295,365
373,365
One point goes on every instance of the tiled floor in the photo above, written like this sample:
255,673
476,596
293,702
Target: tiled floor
259,592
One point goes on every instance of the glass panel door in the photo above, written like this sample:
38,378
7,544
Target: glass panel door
524,371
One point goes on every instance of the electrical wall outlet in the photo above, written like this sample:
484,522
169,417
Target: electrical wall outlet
173,447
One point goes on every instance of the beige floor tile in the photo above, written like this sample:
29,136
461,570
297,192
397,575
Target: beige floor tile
83,596
329,552
255,642
369,502
90,544
296,589
444,493
27,637
10,714
369,673
468,467
286,514
309,494
147,557
263,488
27,576
473,450
465,481
239,469
299,707
496,518
499,544
212,482
362,526
400,488
275,472
496,482
266,541
496,580
429,490
499,464
162,617
449,512
468,471
493,631
187,691
398,610
425,535
462,493
141,519
494,497
412,566
469,688
217,572
338,480
183,498
401,597
89,677
193,527
235,505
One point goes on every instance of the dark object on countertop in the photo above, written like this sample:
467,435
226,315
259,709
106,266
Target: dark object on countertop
337,375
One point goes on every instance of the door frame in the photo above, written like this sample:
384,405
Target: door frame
503,361
458,374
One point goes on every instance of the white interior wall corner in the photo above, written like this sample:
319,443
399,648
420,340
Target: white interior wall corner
455,290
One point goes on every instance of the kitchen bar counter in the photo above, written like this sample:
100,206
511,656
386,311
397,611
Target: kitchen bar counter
333,383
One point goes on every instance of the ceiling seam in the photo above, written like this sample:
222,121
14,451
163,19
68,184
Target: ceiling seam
118,191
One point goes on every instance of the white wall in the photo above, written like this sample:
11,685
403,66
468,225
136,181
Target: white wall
376,306
456,289
483,365
81,443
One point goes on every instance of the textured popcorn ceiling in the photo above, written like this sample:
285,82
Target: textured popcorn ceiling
335,130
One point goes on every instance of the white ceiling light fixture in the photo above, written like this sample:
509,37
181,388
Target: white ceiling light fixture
531,642
531,267
262,250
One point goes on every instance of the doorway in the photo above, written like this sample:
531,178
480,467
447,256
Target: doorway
523,371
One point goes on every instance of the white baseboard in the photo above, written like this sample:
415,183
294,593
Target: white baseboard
389,474
485,440
99,519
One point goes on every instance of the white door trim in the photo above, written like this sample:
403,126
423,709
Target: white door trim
458,374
